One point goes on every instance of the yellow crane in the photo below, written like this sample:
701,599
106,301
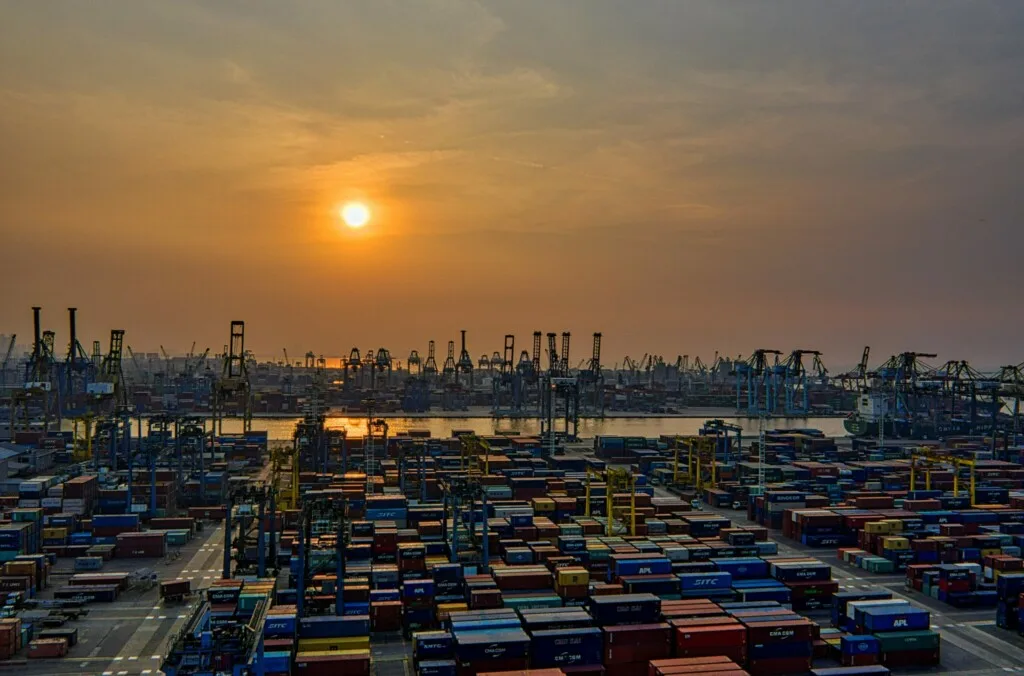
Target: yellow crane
615,480
289,499
700,454
83,447
472,447
929,459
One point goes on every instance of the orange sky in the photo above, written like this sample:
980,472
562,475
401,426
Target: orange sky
682,176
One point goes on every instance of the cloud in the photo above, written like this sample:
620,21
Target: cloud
834,159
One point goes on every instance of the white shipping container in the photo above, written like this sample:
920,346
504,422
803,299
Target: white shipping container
75,502
56,491
50,502
23,502
30,487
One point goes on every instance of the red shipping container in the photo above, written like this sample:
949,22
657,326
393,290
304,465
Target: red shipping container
386,616
331,665
778,632
584,670
863,660
705,640
910,658
474,668
627,669
637,635
707,670
780,666
528,672
665,666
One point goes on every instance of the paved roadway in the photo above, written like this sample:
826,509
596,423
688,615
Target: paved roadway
129,637
972,645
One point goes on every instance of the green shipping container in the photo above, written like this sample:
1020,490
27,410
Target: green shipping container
900,641
879,565
522,602
249,601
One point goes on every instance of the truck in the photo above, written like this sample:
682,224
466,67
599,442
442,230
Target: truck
174,591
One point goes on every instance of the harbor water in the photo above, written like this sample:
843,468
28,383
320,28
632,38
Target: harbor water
280,429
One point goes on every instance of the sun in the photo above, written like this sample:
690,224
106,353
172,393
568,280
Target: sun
355,214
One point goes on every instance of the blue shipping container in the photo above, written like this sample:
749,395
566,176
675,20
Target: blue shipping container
566,647
696,581
437,668
279,626
896,619
492,645
329,626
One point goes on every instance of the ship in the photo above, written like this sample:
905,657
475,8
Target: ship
873,410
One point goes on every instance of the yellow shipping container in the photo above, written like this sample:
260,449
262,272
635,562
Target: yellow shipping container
878,527
53,533
543,505
334,644
991,552
570,577
444,609
896,544
896,525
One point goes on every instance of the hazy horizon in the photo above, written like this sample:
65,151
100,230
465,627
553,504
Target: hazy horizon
684,177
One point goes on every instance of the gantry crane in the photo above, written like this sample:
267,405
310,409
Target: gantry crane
233,383
899,378
279,458
614,479
38,383
857,380
354,362
797,380
79,368
415,366
557,385
592,380
326,514
6,361
700,455
459,492
472,448
508,386
465,364
757,374
430,366
240,514
448,371
929,459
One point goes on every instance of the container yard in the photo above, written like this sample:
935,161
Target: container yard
145,541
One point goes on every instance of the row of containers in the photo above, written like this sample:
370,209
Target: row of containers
218,635
421,592
636,634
